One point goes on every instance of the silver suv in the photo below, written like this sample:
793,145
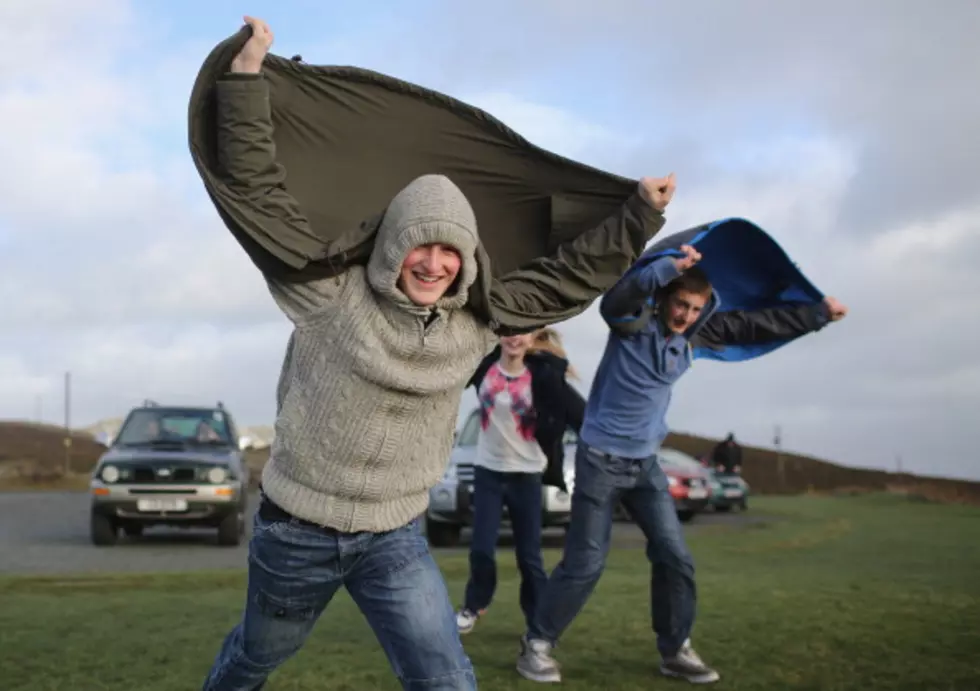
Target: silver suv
450,501
174,466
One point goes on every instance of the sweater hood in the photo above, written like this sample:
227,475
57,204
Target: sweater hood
430,209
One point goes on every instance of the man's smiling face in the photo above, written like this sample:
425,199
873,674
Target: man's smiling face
428,272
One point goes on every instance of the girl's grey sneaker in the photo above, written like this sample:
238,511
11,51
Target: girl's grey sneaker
687,664
466,620
536,663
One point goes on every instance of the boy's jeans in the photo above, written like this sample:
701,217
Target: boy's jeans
521,492
600,481
295,568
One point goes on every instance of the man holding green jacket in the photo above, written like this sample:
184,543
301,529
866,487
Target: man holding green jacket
368,396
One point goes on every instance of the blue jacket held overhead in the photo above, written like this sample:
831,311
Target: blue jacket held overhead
760,302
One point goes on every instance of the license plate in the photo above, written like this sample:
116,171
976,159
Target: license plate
697,493
156,505
733,493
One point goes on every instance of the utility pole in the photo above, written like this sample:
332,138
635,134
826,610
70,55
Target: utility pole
777,441
67,423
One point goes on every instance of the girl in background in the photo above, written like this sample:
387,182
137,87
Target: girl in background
526,405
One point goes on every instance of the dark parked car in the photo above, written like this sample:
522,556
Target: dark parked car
174,466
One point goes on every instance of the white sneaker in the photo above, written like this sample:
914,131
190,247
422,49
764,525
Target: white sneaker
687,664
466,620
535,662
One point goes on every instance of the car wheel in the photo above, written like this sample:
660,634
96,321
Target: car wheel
685,516
442,534
230,530
104,531
133,530
723,508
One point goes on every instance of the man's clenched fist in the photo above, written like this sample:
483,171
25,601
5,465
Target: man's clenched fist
255,49
657,192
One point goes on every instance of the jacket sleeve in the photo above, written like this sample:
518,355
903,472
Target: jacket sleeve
247,163
481,371
629,294
558,287
760,326
574,408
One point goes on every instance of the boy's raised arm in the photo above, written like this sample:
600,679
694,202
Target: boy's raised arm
767,325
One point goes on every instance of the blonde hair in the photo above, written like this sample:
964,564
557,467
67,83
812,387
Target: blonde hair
548,340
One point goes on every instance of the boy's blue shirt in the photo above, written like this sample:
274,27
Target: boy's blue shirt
627,407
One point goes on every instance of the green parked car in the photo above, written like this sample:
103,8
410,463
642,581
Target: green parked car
728,490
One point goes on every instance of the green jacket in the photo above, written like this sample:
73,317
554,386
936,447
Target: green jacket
332,145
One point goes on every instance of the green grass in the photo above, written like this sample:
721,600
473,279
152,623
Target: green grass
834,593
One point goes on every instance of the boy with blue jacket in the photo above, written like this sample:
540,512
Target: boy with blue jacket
624,427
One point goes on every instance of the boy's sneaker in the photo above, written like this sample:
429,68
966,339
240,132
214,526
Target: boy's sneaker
536,663
687,664
466,620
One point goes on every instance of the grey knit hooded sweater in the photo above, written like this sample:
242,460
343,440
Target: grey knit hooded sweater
371,383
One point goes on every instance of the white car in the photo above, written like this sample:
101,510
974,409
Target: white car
450,502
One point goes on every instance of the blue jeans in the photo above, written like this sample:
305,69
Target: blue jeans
600,481
521,492
294,570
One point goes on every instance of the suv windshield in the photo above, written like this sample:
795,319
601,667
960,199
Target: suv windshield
149,426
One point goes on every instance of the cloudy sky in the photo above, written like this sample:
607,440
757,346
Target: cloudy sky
847,130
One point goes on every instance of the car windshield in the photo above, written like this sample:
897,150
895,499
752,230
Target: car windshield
163,426
678,459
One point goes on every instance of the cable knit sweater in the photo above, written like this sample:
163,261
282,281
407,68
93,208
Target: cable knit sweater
371,383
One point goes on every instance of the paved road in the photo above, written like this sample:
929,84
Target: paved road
47,533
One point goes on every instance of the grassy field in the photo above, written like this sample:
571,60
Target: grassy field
863,593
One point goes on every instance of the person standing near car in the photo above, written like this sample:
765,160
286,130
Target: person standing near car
727,456
617,452
526,405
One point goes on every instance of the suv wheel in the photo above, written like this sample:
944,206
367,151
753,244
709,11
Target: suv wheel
231,529
442,534
103,531
685,516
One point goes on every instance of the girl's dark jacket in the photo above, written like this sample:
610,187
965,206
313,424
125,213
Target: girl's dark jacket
556,404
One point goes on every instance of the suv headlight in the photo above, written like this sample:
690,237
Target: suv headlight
109,473
217,475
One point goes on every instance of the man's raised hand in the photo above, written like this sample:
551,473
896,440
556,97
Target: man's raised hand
836,310
657,192
690,258
249,60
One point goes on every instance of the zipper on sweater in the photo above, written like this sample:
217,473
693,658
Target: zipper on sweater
425,323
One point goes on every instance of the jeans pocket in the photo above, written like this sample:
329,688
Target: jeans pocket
283,608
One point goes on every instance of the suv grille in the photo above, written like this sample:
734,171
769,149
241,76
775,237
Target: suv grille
163,474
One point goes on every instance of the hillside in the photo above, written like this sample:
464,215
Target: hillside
805,474
38,450
34,451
